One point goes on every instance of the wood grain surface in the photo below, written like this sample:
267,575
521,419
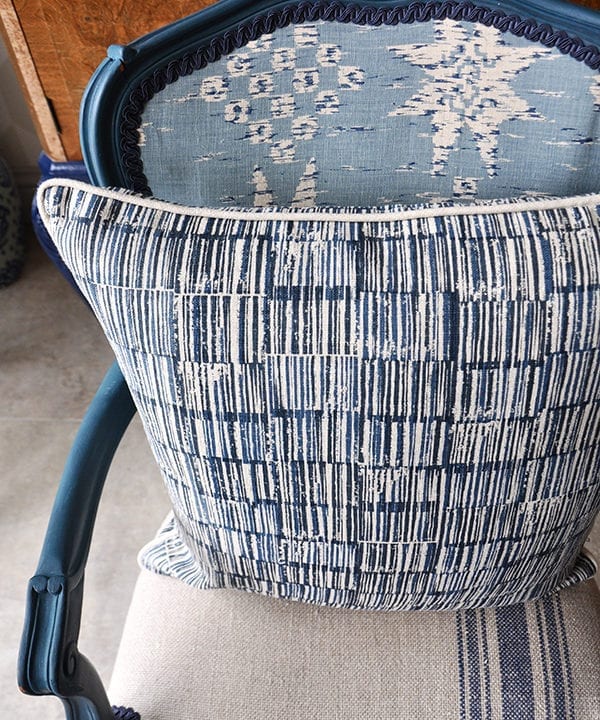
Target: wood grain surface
66,41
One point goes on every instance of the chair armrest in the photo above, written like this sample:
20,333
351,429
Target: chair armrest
49,661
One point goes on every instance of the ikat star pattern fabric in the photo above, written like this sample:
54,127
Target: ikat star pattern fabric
394,408
337,114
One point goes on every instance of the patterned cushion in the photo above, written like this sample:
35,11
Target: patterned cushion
252,657
394,408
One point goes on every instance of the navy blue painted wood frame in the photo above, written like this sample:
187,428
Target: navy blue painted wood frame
49,661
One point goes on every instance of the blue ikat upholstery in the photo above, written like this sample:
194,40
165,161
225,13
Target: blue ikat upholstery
389,408
331,113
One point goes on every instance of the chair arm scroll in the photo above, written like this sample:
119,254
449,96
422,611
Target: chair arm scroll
49,661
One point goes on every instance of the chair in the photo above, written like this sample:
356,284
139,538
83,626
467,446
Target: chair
445,462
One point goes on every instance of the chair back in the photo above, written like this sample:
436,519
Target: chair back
325,103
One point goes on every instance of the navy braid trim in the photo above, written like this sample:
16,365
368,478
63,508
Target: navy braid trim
123,713
334,11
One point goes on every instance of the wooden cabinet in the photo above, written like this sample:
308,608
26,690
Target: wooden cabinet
56,45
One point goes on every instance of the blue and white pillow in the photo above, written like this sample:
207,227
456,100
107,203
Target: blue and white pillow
389,408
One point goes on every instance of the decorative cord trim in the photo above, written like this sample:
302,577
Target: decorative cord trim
334,11
123,713
352,214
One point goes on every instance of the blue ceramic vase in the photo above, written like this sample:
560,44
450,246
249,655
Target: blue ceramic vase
12,248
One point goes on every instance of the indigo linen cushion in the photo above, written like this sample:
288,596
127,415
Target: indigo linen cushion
389,408
241,656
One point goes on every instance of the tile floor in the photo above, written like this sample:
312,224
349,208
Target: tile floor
52,357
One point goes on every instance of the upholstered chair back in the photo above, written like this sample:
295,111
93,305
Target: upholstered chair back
372,107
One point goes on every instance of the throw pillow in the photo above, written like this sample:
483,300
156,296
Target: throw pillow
387,408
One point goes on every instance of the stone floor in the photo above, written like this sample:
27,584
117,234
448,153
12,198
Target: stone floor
52,357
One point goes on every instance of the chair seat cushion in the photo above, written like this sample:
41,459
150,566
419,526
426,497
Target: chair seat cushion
190,654
387,408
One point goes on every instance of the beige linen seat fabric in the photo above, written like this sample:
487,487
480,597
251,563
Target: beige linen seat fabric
189,654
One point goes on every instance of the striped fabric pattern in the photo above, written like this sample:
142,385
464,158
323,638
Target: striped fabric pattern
394,408
517,660
531,661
